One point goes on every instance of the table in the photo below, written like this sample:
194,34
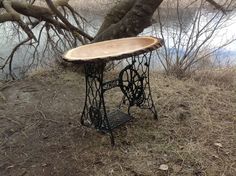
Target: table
133,79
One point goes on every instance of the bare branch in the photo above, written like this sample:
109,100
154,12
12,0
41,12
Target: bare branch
65,21
6,17
8,7
217,6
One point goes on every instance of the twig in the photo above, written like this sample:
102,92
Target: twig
44,116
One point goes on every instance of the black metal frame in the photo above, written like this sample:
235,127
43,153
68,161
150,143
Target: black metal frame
133,81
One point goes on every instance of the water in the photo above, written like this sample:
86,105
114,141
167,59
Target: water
225,55
203,35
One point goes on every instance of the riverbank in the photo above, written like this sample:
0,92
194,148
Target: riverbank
104,5
40,132
94,12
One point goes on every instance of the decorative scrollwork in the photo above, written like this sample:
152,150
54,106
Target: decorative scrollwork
95,117
131,84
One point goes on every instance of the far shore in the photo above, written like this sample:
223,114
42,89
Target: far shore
104,5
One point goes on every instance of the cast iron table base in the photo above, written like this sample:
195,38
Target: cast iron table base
133,81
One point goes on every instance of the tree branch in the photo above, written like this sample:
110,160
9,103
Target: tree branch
217,6
116,14
11,11
40,13
133,23
6,17
64,20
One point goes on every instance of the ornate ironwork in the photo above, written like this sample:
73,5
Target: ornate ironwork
94,113
111,84
133,81
141,65
95,116
131,84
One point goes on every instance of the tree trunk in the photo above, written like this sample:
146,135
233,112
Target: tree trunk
133,20
128,18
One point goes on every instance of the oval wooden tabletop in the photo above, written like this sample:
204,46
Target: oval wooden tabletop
112,49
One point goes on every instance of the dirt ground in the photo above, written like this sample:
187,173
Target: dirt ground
41,135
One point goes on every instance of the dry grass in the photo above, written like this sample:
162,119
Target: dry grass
224,77
41,135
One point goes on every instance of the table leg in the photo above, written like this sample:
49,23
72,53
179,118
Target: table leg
94,112
135,83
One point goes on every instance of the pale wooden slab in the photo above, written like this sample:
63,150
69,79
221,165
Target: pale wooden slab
112,49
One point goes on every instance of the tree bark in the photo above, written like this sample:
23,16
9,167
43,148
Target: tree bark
116,14
133,21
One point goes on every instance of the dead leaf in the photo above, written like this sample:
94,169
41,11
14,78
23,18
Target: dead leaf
164,167
218,144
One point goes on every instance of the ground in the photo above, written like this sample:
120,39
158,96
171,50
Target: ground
40,131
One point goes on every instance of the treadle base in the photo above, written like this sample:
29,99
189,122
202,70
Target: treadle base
116,119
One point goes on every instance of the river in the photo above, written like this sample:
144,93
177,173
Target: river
225,55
